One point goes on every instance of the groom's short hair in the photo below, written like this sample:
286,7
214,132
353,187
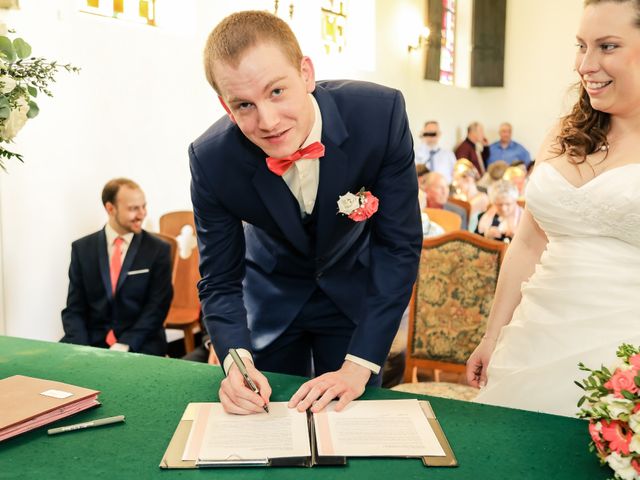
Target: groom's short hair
238,32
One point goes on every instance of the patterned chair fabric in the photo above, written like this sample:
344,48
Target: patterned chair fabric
452,298
439,389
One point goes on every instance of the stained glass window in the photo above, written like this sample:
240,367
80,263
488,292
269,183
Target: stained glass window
447,50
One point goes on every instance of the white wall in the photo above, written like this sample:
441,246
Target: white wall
141,98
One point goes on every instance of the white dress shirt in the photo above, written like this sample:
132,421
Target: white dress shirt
303,176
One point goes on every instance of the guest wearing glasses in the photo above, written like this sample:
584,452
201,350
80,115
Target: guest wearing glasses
430,154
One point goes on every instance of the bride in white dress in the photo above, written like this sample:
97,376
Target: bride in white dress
569,288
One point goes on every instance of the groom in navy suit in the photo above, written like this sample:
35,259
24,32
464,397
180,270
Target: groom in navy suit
296,281
119,279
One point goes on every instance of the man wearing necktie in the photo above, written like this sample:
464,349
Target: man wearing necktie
432,155
295,285
119,279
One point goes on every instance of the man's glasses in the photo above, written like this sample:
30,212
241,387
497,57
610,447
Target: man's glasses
429,134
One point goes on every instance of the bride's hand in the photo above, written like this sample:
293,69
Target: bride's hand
478,362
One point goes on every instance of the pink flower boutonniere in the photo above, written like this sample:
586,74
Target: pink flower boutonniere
359,206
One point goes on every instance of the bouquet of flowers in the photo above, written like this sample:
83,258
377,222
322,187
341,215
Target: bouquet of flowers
612,404
22,77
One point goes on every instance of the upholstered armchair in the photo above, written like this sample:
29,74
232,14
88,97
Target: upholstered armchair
449,307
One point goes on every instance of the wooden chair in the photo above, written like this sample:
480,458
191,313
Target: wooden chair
463,204
174,253
449,307
449,221
184,313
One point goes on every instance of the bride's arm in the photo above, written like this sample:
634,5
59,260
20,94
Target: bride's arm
519,263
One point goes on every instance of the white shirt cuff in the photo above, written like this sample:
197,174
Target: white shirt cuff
119,347
228,360
364,363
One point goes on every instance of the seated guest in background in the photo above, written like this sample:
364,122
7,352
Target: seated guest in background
517,175
437,190
506,149
494,173
421,172
119,279
464,181
474,143
501,220
432,155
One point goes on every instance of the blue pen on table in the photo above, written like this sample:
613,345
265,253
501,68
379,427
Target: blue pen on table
243,370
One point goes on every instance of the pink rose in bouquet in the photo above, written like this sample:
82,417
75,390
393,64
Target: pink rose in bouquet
612,405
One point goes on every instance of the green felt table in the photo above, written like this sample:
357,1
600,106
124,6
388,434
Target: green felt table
152,392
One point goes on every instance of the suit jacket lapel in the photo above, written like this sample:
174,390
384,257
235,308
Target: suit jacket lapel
103,262
128,259
277,198
334,172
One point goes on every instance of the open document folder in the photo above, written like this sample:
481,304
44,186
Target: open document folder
27,403
208,437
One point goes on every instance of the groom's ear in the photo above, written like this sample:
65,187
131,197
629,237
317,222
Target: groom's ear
226,109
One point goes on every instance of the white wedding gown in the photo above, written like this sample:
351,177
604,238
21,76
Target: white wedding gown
583,299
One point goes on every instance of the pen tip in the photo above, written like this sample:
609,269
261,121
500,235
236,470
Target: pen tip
266,409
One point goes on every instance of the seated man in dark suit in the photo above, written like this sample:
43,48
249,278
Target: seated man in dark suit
438,196
119,279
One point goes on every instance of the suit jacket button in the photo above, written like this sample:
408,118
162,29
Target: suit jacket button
318,275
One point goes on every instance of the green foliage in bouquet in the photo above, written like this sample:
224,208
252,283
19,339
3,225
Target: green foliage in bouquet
22,78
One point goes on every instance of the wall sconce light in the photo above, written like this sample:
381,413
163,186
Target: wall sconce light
423,40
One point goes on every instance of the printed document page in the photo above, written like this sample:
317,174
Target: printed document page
376,428
283,432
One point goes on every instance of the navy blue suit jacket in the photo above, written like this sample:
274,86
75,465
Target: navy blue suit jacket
143,294
258,263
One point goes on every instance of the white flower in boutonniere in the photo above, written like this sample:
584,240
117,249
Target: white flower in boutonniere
359,206
22,77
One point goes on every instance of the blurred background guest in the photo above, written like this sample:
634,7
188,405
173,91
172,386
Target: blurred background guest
464,181
517,175
430,153
437,190
501,220
474,143
506,149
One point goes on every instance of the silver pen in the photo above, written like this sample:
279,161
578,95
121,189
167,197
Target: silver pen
243,370
80,426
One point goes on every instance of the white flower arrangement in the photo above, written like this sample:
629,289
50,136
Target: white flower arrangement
22,77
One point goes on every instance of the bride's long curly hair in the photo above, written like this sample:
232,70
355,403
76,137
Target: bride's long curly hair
584,130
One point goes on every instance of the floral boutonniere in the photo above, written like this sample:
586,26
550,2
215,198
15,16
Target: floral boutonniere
359,206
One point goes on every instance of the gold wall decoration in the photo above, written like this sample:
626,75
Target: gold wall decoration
334,20
276,5
142,11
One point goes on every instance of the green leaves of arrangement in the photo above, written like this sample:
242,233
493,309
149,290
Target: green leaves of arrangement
22,78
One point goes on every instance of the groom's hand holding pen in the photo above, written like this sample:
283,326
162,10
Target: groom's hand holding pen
246,390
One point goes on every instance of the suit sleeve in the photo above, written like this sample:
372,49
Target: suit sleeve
154,310
396,241
222,266
74,315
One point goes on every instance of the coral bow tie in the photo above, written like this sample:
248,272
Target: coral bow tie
281,165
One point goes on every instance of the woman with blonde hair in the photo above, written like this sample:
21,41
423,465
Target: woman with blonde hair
465,177
569,286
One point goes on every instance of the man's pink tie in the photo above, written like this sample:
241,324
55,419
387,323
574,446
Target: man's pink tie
281,165
114,269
